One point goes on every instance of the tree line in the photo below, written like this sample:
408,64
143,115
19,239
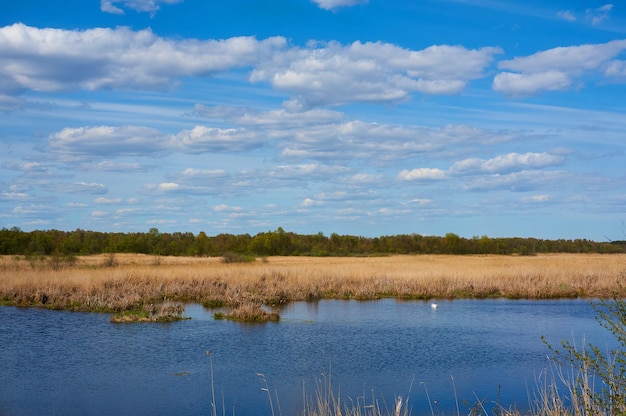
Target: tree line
14,241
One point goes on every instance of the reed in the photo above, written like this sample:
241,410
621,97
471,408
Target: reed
94,283
249,312
164,312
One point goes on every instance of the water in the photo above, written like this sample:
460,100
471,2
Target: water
80,364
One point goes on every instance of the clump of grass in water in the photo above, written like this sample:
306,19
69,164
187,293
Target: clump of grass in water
249,312
165,312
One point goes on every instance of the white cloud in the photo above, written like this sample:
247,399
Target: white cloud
419,202
151,6
279,119
319,74
570,59
203,173
102,58
13,196
536,198
333,4
522,181
333,74
309,202
112,166
616,69
554,69
168,186
381,144
520,85
108,7
35,210
364,179
226,208
105,141
598,15
202,139
566,15
308,171
507,163
107,200
422,174
77,188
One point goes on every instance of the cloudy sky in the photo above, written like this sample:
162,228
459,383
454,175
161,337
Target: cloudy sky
380,117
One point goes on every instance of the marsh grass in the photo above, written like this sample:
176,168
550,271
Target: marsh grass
249,312
327,401
165,312
95,283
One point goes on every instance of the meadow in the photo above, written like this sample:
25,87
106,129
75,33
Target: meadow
120,282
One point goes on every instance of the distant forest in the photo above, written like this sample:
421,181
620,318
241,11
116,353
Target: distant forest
14,241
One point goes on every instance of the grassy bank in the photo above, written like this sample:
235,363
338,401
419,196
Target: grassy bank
113,283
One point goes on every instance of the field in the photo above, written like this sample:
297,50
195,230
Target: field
119,282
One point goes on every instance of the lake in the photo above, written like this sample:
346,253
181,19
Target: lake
81,364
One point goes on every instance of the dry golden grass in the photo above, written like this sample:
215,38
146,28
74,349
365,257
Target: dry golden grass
91,283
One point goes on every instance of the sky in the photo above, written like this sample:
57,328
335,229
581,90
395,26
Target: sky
369,118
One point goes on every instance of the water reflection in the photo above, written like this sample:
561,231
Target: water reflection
75,364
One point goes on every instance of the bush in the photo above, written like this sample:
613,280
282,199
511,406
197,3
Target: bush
237,258
590,362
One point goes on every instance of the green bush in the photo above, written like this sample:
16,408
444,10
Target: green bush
590,363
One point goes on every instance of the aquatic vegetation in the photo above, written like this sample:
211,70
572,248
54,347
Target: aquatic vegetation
165,312
249,312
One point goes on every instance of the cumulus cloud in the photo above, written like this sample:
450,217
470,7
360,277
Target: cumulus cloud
334,74
507,163
557,68
333,4
105,141
310,202
330,73
57,59
519,85
151,6
421,174
202,139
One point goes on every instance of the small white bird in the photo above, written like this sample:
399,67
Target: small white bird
433,305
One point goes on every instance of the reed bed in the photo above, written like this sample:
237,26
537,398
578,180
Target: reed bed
125,282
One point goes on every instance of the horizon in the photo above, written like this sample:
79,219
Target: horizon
355,117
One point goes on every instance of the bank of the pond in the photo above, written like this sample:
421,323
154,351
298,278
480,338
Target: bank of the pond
134,282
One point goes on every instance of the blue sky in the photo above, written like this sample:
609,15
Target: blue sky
379,117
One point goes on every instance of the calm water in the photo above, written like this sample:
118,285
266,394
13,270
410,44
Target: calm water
80,364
